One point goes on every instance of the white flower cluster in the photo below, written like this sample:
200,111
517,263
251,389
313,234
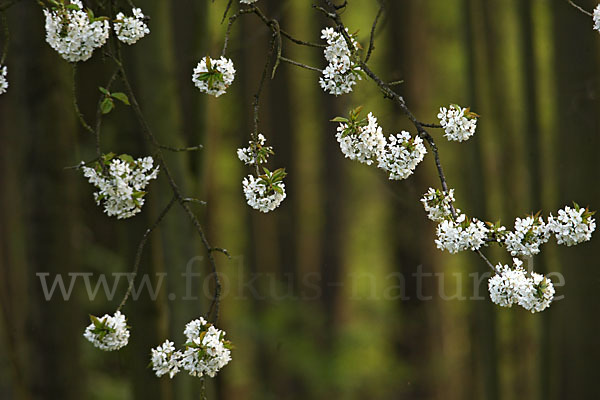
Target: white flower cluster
214,76
109,332
364,143
256,152
458,123
261,195
206,352
72,34
166,360
572,225
402,155
342,73
248,1
528,235
513,286
121,182
596,17
3,80
131,29
363,140
460,235
438,204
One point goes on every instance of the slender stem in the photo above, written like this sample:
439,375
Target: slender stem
99,112
285,34
395,83
6,37
436,126
372,36
140,249
180,149
296,63
76,105
580,9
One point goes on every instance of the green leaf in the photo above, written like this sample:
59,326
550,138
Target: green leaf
72,7
127,158
107,105
122,97
339,119
103,90
90,14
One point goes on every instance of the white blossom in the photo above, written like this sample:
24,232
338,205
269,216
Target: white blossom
341,73
596,17
438,204
72,34
460,235
131,29
507,286
401,155
261,195
207,353
109,332
256,152
537,295
458,123
166,360
361,143
3,80
121,182
214,76
572,225
248,1
194,328
528,235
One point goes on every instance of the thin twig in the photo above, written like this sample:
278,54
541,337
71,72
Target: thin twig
395,83
99,111
226,10
140,249
179,149
6,37
435,126
192,200
285,34
372,37
296,63
76,105
580,9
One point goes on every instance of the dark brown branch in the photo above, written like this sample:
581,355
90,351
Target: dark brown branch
226,10
435,126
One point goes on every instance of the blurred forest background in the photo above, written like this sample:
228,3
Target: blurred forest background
308,296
